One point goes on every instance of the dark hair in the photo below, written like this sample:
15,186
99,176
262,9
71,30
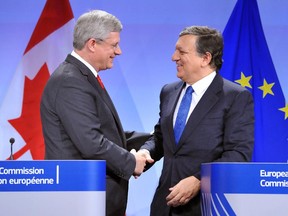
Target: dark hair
208,40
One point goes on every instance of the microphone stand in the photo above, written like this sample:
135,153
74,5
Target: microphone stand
12,140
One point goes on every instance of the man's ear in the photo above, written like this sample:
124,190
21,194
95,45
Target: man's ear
91,44
206,59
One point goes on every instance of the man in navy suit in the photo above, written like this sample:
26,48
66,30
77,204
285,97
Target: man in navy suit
218,125
79,119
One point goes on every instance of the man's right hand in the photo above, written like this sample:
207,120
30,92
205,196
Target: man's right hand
142,157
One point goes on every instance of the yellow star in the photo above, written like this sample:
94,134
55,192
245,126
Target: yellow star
244,81
266,88
285,110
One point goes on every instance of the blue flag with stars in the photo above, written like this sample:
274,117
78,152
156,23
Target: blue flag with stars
247,61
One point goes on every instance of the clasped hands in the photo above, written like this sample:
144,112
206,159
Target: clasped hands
142,158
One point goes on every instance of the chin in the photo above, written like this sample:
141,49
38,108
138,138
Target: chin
179,75
110,65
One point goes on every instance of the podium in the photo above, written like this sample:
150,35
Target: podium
244,189
52,188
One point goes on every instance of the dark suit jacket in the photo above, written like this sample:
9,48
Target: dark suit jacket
80,121
221,128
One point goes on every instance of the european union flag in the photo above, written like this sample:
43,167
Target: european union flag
247,61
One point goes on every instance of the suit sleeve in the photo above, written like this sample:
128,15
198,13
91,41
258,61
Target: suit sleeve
239,130
155,143
136,139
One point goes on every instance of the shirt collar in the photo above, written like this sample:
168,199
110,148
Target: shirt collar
202,84
77,56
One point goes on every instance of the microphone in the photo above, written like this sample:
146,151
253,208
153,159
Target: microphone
12,140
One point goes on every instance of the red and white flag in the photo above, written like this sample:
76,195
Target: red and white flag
49,44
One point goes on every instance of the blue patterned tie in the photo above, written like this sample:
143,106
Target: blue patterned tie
182,114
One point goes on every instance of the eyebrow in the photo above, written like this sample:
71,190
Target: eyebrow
182,49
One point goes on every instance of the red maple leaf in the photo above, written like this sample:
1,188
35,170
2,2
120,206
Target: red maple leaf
29,124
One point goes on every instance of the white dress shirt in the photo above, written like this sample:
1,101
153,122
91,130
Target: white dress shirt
199,88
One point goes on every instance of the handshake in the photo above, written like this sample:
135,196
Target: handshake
142,158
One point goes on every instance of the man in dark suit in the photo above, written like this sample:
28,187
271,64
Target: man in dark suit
79,119
218,124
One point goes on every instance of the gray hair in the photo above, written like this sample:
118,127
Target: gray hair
208,40
94,24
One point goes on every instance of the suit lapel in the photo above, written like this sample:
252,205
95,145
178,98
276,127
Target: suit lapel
173,99
102,92
105,96
208,100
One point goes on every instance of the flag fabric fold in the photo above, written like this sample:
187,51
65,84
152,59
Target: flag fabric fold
20,111
247,61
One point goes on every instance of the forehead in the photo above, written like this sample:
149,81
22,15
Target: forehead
186,42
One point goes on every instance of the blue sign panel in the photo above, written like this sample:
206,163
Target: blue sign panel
247,177
49,175
244,189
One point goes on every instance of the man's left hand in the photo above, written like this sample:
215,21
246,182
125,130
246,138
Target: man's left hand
183,192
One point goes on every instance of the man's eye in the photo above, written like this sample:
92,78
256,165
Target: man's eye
182,52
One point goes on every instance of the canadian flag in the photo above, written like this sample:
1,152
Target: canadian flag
49,44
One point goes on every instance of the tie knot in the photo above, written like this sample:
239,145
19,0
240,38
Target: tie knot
100,82
189,90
